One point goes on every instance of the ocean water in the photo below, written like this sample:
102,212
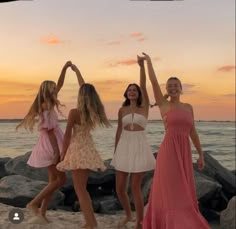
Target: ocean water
216,137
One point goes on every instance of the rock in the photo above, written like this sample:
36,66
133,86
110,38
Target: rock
101,183
209,214
109,205
17,190
206,187
227,217
70,195
103,180
3,171
228,186
18,165
217,172
234,172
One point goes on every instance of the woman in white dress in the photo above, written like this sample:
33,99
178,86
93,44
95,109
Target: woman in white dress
132,152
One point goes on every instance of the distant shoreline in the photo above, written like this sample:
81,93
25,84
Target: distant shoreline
115,120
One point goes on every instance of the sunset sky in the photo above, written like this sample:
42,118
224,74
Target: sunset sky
191,39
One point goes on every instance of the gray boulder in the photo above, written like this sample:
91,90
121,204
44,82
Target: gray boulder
19,166
217,172
17,190
3,171
227,217
206,187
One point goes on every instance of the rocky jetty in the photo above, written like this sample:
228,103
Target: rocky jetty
19,183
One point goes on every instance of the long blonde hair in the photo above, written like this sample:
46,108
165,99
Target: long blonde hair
46,95
90,107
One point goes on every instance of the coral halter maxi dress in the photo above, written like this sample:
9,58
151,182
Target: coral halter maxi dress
173,202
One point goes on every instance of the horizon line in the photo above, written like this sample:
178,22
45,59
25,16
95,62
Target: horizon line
64,120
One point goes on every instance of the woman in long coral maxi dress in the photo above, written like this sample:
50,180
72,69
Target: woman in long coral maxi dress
173,202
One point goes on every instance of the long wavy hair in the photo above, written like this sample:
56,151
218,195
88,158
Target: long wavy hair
46,95
127,101
90,107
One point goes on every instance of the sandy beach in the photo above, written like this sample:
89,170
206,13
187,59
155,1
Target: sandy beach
61,219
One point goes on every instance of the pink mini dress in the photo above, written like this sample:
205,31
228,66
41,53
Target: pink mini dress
43,154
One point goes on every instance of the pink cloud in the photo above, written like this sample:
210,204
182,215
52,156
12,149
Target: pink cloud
141,39
226,68
136,34
51,40
127,62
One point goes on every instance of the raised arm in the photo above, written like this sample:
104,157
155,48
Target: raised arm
143,87
61,79
78,74
159,98
196,141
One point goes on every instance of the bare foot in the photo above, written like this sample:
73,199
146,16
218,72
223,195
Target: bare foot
33,208
38,219
45,219
125,221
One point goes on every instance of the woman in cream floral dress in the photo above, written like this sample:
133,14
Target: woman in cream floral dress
78,151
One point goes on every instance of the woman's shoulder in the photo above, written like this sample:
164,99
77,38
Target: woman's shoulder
73,114
187,106
74,111
122,110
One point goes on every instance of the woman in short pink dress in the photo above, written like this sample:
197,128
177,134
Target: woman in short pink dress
43,154
173,203
46,152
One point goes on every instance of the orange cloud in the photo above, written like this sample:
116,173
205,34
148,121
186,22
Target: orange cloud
226,68
51,40
230,95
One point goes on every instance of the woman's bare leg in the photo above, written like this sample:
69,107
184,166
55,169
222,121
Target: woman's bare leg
56,180
121,190
136,180
80,178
